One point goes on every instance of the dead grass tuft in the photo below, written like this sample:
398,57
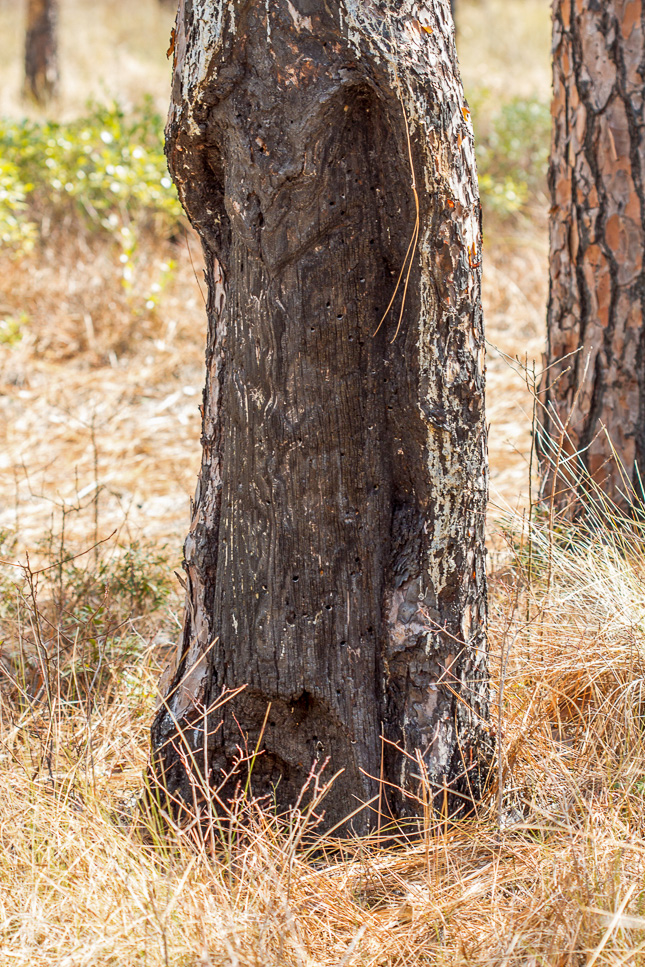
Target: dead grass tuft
549,872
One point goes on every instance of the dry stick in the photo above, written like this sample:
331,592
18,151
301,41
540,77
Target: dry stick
61,583
218,703
405,792
224,697
34,620
95,456
190,256
617,461
257,750
380,790
465,773
612,926
415,234
532,390
324,836
14,681
500,702
426,793
318,795
72,557
206,773
558,458
392,785
445,823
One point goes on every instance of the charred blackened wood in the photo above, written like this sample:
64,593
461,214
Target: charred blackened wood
335,560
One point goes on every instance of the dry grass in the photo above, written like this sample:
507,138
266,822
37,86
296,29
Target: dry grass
100,399
99,393
552,874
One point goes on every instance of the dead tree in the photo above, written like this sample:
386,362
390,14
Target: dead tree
594,387
335,563
41,50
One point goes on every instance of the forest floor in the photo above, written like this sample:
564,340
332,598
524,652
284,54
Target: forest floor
101,369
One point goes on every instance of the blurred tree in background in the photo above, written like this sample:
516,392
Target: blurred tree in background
41,50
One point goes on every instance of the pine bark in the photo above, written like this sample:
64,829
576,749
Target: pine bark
595,354
41,50
335,562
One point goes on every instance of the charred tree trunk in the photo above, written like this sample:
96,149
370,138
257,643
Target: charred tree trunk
41,50
597,239
335,560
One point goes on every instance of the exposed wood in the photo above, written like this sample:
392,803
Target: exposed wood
595,350
335,561
41,50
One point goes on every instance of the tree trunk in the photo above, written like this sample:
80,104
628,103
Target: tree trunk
595,352
41,50
335,560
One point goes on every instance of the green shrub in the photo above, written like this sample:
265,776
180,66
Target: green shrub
16,228
512,148
136,582
12,329
106,168
89,617
95,602
7,579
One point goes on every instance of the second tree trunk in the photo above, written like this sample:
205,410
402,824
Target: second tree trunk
595,380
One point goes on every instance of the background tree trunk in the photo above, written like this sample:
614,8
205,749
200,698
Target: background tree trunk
597,239
41,50
336,551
